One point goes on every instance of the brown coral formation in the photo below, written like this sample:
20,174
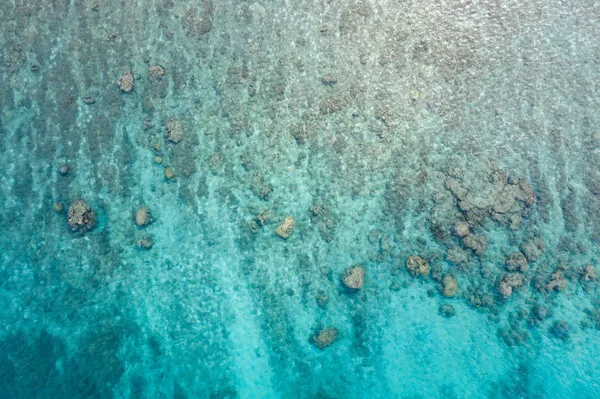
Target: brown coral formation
156,72
417,266
475,243
485,191
174,131
144,243
557,282
126,81
516,262
142,216
81,216
354,277
325,337
510,282
285,229
588,273
450,286
533,249
461,229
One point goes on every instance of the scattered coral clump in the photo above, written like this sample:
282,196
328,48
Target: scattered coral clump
510,282
417,266
557,282
126,82
516,262
285,229
449,286
533,249
354,277
174,132
142,216
81,216
325,337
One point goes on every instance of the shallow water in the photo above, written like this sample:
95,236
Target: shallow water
385,129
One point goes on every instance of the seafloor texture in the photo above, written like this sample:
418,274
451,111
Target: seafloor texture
188,186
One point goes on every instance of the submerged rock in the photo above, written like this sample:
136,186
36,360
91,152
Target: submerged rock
325,337
417,266
354,277
285,229
81,216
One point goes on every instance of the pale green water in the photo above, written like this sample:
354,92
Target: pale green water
377,125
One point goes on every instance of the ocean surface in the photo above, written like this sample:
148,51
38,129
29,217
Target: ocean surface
300,199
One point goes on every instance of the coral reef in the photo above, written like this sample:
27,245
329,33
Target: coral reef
516,262
449,286
285,229
354,277
417,266
174,131
461,229
142,216
325,337
533,249
81,216
156,72
145,243
588,273
126,82
557,282
510,282
447,310
476,243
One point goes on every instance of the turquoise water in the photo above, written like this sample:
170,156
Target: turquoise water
466,133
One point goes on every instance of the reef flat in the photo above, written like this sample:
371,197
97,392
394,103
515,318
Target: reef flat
299,199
